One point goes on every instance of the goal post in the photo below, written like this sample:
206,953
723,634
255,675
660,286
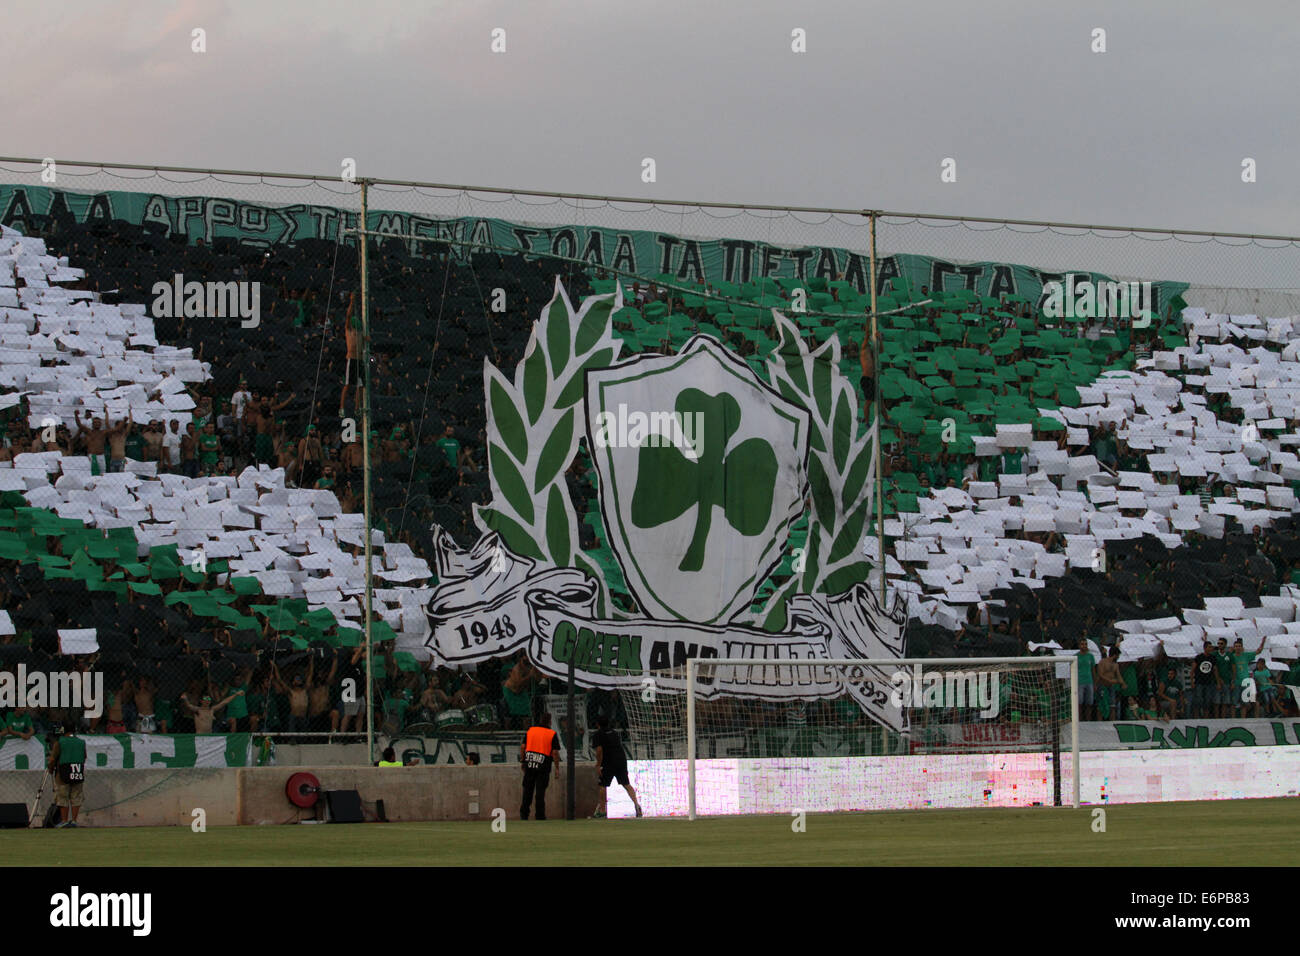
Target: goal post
897,733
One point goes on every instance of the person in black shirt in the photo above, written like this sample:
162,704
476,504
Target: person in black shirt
1205,682
611,765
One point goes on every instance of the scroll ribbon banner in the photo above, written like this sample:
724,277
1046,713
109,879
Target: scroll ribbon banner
492,602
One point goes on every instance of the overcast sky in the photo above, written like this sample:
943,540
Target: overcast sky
1150,133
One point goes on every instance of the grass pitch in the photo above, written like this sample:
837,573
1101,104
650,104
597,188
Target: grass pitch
1237,833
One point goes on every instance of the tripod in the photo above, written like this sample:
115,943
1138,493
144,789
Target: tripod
39,793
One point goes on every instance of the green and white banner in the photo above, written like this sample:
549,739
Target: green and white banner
138,751
491,747
632,251
1186,734
559,626
702,468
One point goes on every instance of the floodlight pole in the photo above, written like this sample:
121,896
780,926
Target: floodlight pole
363,234
875,372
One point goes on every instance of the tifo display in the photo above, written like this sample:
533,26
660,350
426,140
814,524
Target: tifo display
259,492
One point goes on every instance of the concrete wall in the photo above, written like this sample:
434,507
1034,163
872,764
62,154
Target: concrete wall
411,793
141,798
256,795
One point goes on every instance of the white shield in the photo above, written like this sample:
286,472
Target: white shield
746,454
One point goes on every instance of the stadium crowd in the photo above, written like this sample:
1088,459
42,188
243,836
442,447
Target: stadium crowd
279,398
273,399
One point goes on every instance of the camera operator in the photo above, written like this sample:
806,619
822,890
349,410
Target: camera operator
67,761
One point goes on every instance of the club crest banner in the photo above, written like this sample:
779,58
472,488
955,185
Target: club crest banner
702,468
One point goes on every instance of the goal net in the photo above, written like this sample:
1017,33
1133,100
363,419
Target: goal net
852,735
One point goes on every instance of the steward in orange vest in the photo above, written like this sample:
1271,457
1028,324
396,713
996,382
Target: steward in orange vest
538,753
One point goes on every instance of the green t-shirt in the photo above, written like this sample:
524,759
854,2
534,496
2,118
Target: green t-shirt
1104,447
299,321
1244,663
1172,677
1130,675
1004,695
1038,703
397,707
518,704
1011,462
72,750
1086,664
239,706
1225,664
255,702
847,712
210,448
1263,676
450,448
21,723
134,446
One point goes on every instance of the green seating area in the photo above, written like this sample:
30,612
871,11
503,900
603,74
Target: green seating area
963,360
109,561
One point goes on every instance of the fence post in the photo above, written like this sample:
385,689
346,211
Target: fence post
875,371
365,475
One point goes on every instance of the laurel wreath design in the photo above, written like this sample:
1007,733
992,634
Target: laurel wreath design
534,424
841,472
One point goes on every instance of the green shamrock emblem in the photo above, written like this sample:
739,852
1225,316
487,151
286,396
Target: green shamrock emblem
742,482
